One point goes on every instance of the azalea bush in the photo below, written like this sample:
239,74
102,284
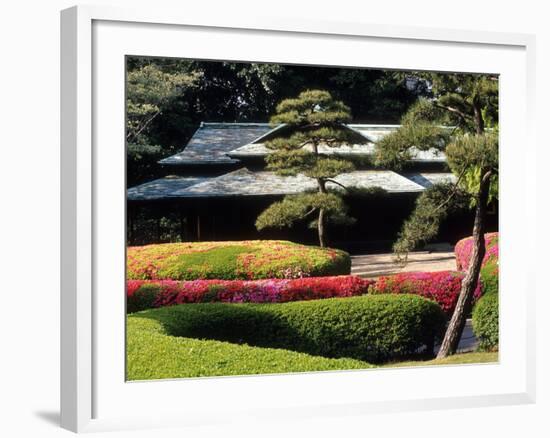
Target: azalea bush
144,294
442,287
464,247
242,260
489,268
373,328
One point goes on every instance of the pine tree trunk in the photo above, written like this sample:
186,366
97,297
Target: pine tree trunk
469,283
478,118
321,227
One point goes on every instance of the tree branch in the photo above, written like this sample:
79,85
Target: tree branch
337,183
452,109
309,212
486,176
140,130
453,193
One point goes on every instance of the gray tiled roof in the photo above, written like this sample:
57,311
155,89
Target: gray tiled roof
227,143
244,182
162,188
211,141
259,150
371,133
428,179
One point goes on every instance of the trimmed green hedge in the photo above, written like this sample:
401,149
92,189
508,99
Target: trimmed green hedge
244,260
373,328
489,277
485,321
153,354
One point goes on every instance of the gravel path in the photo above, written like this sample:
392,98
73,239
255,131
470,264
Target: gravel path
375,265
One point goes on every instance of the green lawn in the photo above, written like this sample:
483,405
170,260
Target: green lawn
463,358
153,354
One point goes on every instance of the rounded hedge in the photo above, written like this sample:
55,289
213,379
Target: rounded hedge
485,321
373,328
243,260
147,294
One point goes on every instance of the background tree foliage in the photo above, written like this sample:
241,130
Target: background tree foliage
149,91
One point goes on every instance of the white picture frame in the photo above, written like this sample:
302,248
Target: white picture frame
93,39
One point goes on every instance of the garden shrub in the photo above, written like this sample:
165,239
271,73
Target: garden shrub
485,321
141,298
489,277
244,260
373,328
442,287
463,250
144,294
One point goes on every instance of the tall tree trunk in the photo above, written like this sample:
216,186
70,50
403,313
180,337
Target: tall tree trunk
469,283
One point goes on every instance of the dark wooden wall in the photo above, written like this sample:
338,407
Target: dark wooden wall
379,219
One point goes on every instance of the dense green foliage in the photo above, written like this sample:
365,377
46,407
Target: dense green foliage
489,277
431,209
452,121
149,91
485,321
248,260
370,327
153,354
417,133
299,207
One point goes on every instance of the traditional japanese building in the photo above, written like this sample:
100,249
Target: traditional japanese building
215,188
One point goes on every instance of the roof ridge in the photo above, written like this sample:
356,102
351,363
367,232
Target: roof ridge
233,124
262,124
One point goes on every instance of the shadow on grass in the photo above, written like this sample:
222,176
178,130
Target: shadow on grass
333,330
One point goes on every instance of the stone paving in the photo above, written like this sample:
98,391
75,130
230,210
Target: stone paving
468,341
375,265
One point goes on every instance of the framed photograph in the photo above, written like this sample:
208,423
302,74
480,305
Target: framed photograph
272,217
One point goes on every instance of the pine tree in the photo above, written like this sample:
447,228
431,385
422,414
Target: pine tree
469,103
312,121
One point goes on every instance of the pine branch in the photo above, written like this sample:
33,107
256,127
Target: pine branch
337,183
454,110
